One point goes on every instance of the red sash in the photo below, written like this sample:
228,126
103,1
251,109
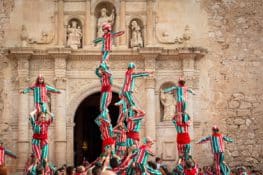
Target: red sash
133,135
183,138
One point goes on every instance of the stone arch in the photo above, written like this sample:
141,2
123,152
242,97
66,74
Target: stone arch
140,23
78,98
161,102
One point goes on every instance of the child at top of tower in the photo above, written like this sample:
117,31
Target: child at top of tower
106,40
40,90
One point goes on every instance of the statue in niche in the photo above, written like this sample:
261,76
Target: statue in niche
136,35
104,19
168,102
74,35
24,36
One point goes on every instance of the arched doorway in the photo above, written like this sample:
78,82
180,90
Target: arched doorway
87,141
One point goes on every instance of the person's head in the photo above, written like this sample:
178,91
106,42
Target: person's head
215,129
41,117
131,66
1,143
114,162
103,12
74,24
40,79
70,170
189,163
40,169
181,81
158,160
80,169
96,170
152,164
148,141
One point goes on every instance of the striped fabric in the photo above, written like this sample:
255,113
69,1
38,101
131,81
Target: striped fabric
2,155
106,40
40,95
217,142
181,123
122,110
134,123
106,80
3,152
129,80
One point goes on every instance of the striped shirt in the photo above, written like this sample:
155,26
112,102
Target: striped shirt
123,110
181,92
129,81
106,40
143,154
3,152
181,122
106,80
134,123
217,142
40,92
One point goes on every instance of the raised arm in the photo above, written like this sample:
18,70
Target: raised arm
98,73
32,118
10,153
204,139
52,117
116,34
191,91
26,90
140,74
52,89
227,139
170,89
98,40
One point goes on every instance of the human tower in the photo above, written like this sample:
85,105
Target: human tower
123,140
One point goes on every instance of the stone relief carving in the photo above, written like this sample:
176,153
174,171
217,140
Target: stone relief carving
104,18
165,38
45,38
168,102
24,36
136,39
74,34
41,64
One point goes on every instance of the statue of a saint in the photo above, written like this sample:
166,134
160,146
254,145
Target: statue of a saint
136,35
104,19
74,34
168,102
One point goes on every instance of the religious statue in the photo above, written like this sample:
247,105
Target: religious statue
168,103
74,34
136,35
104,19
24,36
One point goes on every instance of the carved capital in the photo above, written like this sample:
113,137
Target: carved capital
150,83
61,83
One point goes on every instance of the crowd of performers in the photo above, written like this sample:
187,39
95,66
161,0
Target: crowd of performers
122,141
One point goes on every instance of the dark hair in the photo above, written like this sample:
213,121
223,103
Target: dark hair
96,170
181,82
70,170
114,162
152,164
157,159
40,169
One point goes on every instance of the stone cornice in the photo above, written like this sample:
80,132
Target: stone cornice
148,52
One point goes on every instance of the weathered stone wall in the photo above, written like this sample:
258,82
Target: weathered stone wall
6,7
232,94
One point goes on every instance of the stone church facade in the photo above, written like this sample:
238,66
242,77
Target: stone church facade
213,45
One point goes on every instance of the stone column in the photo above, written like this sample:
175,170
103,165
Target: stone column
60,57
150,120
150,55
87,33
122,22
23,111
60,24
149,25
